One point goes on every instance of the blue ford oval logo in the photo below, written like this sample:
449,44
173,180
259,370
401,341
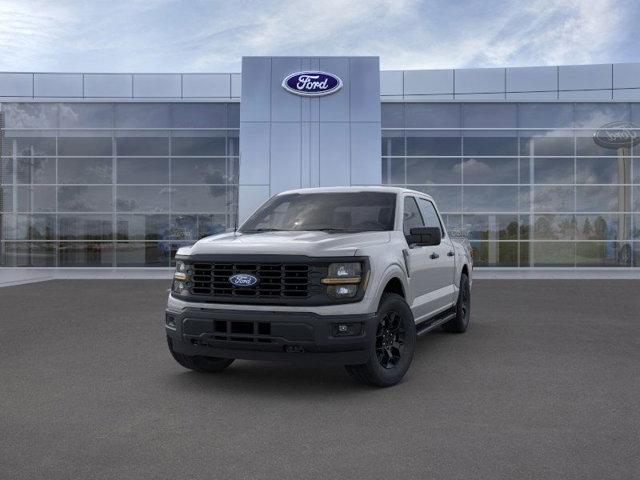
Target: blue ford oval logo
312,84
243,280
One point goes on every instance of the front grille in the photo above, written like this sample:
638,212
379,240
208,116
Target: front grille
276,280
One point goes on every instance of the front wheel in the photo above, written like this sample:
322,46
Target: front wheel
391,351
460,323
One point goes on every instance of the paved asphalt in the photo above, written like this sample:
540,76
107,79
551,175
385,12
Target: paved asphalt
545,385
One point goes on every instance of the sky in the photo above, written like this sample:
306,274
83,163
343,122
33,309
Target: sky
212,36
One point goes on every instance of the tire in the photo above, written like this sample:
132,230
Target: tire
200,364
393,345
461,322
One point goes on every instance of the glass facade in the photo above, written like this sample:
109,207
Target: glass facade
526,181
114,184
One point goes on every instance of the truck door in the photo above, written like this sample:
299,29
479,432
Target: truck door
423,284
442,258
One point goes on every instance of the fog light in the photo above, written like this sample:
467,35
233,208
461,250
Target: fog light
171,321
342,291
346,329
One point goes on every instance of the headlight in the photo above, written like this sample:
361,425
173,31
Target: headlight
181,279
343,279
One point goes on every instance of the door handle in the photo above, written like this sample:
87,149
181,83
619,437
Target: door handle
451,253
434,255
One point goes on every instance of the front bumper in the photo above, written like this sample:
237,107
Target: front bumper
270,335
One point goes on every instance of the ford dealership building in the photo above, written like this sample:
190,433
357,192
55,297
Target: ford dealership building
539,165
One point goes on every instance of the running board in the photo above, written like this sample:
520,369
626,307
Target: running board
434,322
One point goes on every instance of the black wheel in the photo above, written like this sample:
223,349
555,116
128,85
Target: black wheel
200,364
391,351
460,323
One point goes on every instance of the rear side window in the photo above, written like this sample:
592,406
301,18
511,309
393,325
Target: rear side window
412,217
429,214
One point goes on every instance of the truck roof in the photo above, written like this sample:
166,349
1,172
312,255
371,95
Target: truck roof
395,190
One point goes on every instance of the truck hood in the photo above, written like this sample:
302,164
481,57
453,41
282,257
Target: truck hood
312,244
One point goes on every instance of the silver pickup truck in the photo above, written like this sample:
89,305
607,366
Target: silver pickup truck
348,275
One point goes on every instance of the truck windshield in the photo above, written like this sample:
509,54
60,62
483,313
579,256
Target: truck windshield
330,212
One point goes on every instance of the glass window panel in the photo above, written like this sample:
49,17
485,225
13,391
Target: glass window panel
80,254
392,143
602,226
429,214
6,199
602,198
139,254
490,199
142,115
495,254
491,227
490,115
85,227
525,227
233,111
598,114
85,199
8,227
603,170
233,143
29,146
142,227
199,170
91,146
525,171
86,115
142,170
636,172
636,226
85,170
142,146
35,227
412,217
553,199
199,115
636,254
393,171
452,222
233,170
490,145
6,170
195,227
553,254
212,144
36,170
490,170
392,115
434,170
432,115
448,199
553,170
546,144
143,199
524,199
37,199
41,254
526,250
585,145
433,143
554,227
30,115
545,115
199,199
603,254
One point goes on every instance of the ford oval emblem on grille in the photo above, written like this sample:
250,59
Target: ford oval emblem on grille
243,280
312,84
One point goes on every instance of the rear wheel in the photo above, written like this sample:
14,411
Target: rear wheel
391,351
200,364
460,323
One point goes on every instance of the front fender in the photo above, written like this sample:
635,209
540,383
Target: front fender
394,270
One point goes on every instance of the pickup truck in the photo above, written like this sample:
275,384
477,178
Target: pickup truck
347,275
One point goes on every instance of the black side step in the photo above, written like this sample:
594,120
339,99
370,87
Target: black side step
428,325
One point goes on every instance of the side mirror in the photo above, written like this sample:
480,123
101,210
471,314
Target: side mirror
424,236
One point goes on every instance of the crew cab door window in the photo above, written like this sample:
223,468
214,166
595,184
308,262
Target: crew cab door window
412,217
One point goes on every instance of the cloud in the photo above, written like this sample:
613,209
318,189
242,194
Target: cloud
171,35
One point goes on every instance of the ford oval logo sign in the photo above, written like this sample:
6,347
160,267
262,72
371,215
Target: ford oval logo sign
312,84
243,280
617,135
